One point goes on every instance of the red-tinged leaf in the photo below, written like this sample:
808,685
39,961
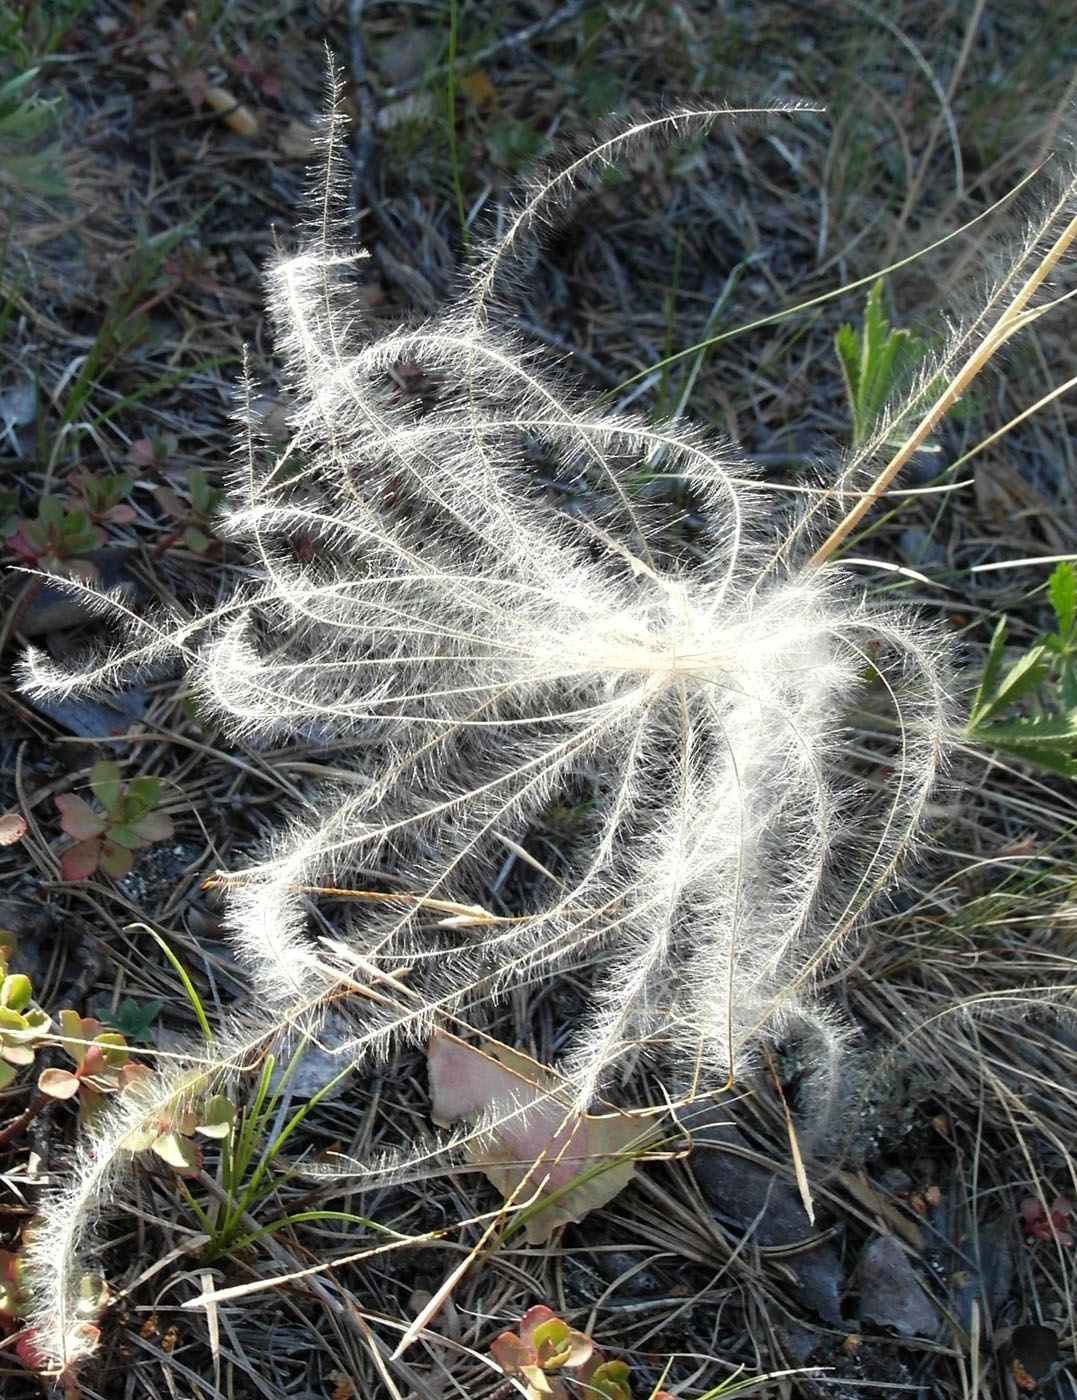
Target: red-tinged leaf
608,1381
557,1345
182,1155
58,1083
28,1351
78,818
80,861
79,1037
12,828
116,860
137,1078
106,1054
154,826
169,501
106,784
114,1049
77,1033
120,515
511,1353
534,1318
82,1340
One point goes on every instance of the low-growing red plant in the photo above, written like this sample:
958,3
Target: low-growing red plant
110,838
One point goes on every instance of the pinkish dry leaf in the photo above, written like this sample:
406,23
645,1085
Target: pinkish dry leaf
80,861
154,826
511,1353
58,1083
581,1161
12,828
78,818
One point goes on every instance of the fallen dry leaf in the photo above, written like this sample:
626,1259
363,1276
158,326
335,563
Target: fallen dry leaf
890,1292
12,828
578,1161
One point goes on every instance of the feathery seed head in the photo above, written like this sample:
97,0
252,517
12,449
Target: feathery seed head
498,614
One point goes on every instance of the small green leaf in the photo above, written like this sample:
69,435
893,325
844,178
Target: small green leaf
16,991
1067,680
218,1117
131,1019
874,364
1024,676
74,1032
1062,592
1054,732
114,1048
125,836
179,1152
144,793
609,1381
116,860
848,349
1043,758
199,489
106,784
36,1024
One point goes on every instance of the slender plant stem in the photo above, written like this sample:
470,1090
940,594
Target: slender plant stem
15,1127
1014,318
